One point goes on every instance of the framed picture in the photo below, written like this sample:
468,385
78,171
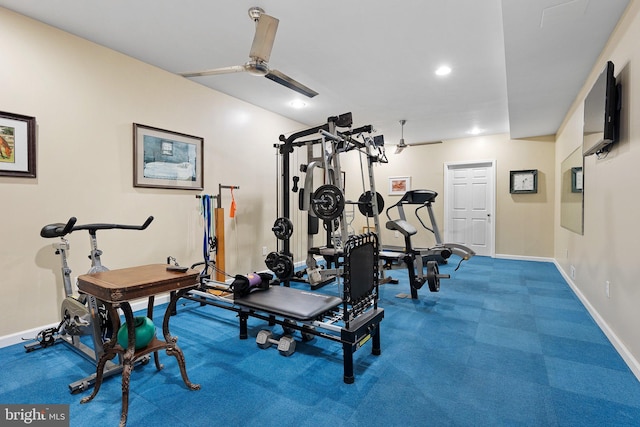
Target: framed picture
165,159
523,181
398,185
17,145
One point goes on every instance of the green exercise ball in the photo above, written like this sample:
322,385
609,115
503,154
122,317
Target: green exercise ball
145,332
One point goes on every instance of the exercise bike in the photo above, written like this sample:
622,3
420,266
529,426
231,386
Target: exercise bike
82,315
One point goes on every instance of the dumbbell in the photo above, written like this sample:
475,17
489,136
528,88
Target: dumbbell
286,344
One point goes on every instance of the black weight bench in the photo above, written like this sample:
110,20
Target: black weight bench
291,303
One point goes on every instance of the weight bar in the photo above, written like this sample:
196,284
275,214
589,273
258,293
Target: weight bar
286,344
282,228
434,276
327,202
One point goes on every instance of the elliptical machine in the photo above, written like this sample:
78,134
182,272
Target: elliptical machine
414,258
82,315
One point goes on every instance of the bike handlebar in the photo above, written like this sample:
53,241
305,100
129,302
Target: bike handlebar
61,230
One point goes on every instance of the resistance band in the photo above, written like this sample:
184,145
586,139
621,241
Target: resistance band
232,209
208,242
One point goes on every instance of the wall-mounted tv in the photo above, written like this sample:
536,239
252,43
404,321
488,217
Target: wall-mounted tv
601,114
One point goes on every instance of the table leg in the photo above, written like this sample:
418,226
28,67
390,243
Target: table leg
172,348
156,358
107,355
127,362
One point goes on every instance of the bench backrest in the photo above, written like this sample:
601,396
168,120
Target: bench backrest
360,273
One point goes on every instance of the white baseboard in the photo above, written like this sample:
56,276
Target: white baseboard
525,258
28,335
622,349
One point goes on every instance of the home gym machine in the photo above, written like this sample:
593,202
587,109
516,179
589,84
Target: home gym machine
415,258
82,315
326,203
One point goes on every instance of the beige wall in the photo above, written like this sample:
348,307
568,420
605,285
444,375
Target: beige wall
524,222
85,99
607,251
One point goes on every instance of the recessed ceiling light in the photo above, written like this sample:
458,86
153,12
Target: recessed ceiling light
475,131
297,103
443,70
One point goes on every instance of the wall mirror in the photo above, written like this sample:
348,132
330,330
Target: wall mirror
571,213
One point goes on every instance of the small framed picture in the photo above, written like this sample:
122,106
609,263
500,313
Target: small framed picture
17,145
523,181
166,159
398,185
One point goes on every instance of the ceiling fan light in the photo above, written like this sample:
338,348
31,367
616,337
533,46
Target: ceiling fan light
444,70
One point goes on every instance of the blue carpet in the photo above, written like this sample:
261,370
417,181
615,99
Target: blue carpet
504,343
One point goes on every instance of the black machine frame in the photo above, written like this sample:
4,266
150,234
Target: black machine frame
330,196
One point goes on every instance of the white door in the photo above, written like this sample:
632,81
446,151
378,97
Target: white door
469,205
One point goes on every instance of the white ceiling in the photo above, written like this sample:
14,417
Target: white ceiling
517,64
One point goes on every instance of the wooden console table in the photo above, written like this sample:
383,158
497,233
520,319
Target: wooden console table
116,288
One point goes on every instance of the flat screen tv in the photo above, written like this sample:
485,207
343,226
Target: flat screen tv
601,109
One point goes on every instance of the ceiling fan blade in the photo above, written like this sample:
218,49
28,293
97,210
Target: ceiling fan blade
264,37
399,148
215,71
287,81
426,143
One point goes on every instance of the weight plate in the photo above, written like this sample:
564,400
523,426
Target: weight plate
282,228
327,202
281,265
366,207
271,260
433,278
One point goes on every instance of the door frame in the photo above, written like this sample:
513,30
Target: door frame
448,167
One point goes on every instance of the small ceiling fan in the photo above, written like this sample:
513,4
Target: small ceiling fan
402,145
266,27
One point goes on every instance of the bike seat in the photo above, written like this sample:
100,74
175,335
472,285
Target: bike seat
402,226
53,230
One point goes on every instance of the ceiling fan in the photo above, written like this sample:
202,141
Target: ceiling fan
402,145
266,27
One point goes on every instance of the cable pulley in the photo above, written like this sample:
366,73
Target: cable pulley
331,226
